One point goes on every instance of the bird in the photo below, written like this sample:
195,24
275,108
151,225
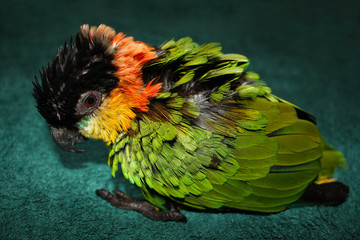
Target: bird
190,126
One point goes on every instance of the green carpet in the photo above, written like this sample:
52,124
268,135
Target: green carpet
307,51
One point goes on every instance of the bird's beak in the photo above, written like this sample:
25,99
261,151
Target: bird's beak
66,139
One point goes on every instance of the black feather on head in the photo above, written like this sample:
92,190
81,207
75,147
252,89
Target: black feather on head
76,68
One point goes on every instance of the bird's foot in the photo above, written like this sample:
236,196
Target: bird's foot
123,201
330,193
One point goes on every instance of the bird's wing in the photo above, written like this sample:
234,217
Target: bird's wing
216,136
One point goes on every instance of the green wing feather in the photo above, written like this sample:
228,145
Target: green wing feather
216,137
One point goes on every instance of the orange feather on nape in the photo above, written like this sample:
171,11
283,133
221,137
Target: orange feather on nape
129,57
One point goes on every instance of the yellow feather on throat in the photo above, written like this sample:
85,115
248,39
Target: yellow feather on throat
114,115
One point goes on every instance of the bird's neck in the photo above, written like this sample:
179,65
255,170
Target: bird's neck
117,112
130,56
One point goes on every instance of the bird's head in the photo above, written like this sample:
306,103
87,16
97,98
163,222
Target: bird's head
93,86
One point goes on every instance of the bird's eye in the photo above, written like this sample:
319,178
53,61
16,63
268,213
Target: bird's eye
88,102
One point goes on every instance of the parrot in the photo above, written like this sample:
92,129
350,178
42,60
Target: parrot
190,126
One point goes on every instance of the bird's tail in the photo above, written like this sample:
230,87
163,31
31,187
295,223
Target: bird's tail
330,160
326,190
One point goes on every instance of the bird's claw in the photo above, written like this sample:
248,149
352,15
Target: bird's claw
121,200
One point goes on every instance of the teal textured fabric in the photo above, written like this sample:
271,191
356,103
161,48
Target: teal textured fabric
307,51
